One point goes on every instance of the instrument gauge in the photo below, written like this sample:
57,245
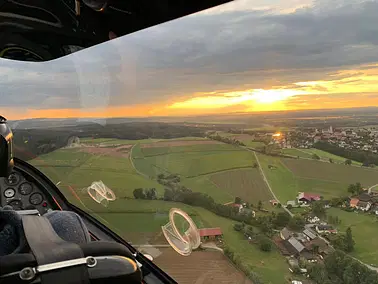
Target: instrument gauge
9,192
36,198
13,179
25,188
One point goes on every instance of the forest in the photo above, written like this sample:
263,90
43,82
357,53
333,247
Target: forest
364,157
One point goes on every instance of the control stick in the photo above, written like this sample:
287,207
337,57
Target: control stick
6,148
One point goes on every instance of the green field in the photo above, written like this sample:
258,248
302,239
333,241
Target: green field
245,183
222,171
193,163
271,266
324,156
364,231
287,182
332,172
297,153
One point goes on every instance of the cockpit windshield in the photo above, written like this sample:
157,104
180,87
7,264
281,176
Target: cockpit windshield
235,145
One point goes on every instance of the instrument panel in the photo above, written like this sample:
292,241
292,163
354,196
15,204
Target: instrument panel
22,193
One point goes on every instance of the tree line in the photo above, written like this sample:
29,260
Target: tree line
339,268
226,140
30,143
366,158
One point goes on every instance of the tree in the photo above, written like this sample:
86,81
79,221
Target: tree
348,240
318,273
282,219
138,193
238,200
238,227
255,165
331,160
259,205
296,223
289,206
265,244
348,162
318,209
355,188
315,157
279,205
150,193
248,230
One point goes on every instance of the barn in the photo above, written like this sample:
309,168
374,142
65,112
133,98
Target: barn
207,234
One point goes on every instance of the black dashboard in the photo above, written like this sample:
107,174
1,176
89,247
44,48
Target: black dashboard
28,190
21,191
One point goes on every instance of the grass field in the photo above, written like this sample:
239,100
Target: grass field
364,230
324,156
287,180
245,183
201,168
297,153
332,172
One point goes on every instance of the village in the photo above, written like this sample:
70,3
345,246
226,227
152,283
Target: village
365,139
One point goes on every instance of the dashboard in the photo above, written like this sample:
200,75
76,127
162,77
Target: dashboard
23,192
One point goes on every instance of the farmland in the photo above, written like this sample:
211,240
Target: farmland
290,176
331,172
364,230
223,171
217,269
240,183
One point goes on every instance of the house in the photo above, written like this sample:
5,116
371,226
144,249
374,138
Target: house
297,247
374,209
305,197
309,234
310,257
327,204
319,246
353,202
247,211
363,206
273,202
321,229
291,203
210,233
364,197
313,219
285,234
236,205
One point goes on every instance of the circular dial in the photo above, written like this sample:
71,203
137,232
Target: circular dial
16,204
36,199
25,188
9,193
13,179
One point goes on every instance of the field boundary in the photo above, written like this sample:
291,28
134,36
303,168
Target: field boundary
221,171
180,152
269,187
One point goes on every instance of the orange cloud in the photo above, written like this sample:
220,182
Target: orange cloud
346,88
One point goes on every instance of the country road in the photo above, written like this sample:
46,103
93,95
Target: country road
267,183
132,163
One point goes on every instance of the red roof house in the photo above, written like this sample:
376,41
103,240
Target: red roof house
308,197
208,232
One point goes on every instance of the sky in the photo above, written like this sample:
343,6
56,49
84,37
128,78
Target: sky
245,56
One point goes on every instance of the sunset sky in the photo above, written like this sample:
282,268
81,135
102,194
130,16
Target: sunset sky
245,56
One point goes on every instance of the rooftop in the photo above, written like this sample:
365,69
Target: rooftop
310,234
206,232
296,244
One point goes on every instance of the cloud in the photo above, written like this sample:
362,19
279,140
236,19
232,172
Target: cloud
274,44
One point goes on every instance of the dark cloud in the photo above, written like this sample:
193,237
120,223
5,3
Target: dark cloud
205,52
